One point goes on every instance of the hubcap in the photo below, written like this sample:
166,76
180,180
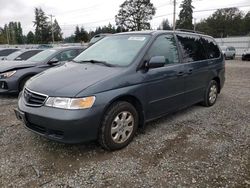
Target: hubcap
122,127
212,94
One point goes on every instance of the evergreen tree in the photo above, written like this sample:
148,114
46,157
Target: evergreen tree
19,33
30,39
43,30
246,24
77,34
2,36
135,14
223,23
57,31
84,37
185,15
164,25
70,39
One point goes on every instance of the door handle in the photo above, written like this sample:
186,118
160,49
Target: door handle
181,73
190,71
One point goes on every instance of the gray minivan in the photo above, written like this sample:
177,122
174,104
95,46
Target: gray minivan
120,83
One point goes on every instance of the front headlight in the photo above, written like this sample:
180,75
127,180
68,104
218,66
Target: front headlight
7,74
70,103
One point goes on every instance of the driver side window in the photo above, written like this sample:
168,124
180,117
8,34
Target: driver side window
165,45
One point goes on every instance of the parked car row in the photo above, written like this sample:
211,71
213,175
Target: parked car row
14,74
115,86
229,52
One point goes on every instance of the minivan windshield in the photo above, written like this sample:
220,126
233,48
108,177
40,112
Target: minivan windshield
119,50
42,56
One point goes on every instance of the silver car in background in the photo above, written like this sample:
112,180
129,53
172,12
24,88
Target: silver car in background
228,52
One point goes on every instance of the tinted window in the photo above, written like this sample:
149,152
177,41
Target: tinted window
43,55
116,49
68,55
211,48
192,48
7,52
165,45
27,55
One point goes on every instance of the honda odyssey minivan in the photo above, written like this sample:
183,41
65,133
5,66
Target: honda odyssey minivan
118,84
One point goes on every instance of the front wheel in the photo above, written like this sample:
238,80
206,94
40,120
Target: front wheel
119,126
211,94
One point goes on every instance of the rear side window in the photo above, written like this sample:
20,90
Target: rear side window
165,45
192,48
7,52
27,55
211,48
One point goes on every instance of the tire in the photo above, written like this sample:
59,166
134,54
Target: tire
123,118
233,57
22,83
225,57
211,94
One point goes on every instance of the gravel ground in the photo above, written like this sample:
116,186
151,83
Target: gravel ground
196,147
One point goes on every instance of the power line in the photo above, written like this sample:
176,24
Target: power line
155,17
205,10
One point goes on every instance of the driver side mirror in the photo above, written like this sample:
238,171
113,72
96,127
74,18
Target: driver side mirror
156,62
54,60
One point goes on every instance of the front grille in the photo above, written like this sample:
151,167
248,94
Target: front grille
45,131
33,98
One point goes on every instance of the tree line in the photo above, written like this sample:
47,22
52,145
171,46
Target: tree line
133,15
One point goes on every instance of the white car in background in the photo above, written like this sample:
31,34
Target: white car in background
228,52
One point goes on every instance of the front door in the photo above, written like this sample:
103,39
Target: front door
164,85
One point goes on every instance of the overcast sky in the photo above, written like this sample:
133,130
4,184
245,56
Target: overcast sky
92,13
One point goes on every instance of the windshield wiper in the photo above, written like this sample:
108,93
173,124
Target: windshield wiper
97,62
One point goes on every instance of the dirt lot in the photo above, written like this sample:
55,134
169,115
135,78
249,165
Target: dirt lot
197,147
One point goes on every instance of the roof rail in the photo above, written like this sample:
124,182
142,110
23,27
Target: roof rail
190,31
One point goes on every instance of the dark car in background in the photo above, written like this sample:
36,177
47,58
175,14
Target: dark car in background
246,55
7,51
14,74
121,82
22,55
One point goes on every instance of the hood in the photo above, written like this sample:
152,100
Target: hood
14,65
69,79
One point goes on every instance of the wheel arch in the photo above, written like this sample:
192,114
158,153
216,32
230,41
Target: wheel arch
217,79
133,101
29,75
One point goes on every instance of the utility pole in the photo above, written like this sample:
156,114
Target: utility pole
174,15
7,34
52,29
194,24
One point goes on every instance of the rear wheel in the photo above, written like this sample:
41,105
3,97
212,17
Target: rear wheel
119,126
211,94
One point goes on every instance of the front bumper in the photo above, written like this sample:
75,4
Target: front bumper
67,126
8,86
